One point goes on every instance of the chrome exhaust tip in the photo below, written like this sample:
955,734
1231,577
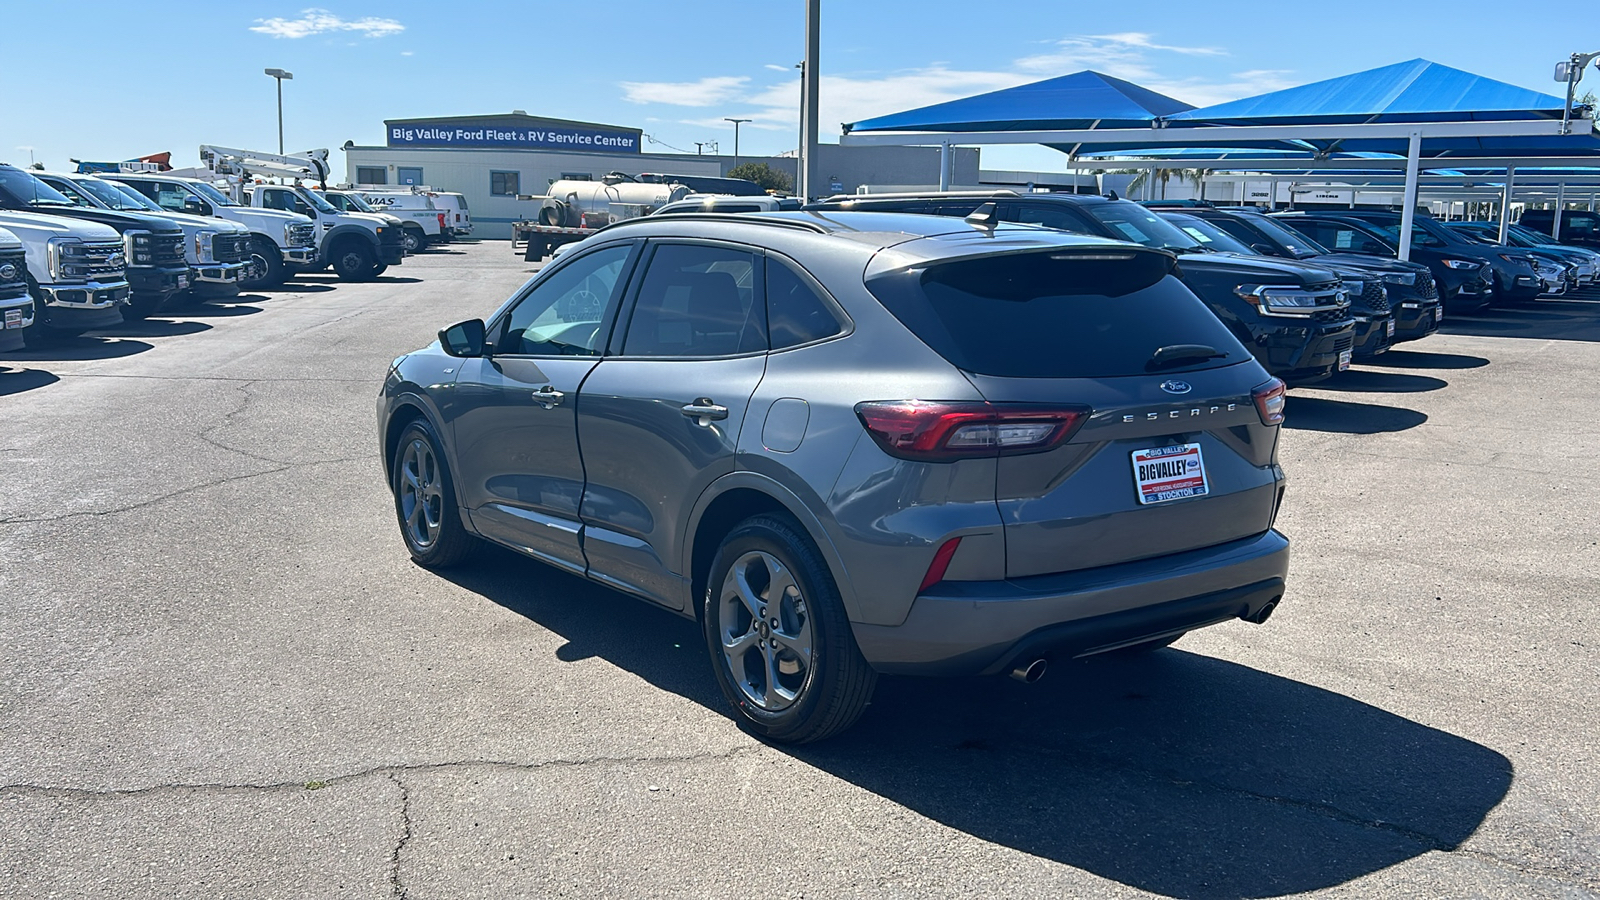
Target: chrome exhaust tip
1030,672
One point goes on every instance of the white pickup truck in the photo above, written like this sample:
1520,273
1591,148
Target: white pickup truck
359,246
75,270
277,239
421,222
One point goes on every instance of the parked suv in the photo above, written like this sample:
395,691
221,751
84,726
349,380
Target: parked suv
153,246
1584,263
16,304
1369,302
217,251
1579,228
856,443
278,239
1295,318
1408,286
1470,275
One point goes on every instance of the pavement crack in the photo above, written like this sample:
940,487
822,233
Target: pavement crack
397,888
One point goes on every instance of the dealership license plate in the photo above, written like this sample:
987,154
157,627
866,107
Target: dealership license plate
13,318
1169,473
1344,359
183,282
1438,314
1391,328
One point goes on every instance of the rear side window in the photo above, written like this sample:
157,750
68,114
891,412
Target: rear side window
1055,315
698,300
795,313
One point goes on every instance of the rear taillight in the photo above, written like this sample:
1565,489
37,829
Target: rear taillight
441,220
1270,399
932,431
940,564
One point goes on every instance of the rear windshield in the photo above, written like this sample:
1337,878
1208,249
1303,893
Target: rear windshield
1055,315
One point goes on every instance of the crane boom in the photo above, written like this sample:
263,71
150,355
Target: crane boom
231,161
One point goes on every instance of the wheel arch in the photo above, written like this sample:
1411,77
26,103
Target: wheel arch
730,500
341,233
403,409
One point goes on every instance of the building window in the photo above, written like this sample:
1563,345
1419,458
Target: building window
371,175
505,184
577,176
409,175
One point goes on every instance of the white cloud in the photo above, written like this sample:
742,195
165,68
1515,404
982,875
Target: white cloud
406,53
1134,56
319,21
705,92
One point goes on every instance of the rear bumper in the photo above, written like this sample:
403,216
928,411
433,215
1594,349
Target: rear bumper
980,628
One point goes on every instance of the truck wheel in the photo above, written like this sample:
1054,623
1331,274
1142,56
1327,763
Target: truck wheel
142,306
36,335
413,239
353,261
778,636
379,269
266,265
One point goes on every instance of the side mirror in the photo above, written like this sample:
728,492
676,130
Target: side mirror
1373,248
194,207
464,339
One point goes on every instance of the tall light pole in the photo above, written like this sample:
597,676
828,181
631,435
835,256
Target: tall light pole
808,105
736,124
281,75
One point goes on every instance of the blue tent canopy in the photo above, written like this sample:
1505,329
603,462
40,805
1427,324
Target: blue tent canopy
1080,100
1414,91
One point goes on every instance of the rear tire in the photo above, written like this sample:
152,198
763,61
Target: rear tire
267,263
425,500
780,641
352,261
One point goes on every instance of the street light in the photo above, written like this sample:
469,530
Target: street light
280,75
736,123
1571,72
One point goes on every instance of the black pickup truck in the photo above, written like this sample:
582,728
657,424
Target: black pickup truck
153,246
1294,317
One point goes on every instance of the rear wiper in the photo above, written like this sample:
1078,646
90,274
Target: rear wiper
1177,354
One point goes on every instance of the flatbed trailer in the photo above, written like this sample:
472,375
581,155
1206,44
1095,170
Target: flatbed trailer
537,241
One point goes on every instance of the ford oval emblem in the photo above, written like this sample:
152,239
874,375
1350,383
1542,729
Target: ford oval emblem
1176,387
8,272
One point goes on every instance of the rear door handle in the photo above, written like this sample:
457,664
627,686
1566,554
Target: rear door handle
705,411
548,396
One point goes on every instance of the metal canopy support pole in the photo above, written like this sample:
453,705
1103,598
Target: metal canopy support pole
1505,203
1408,213
1561,204
944,166
808,106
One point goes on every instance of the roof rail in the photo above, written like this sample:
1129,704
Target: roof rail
915,195
755,218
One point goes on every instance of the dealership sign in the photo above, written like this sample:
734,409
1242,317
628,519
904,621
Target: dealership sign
515,136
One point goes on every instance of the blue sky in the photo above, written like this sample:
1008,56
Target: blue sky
125,79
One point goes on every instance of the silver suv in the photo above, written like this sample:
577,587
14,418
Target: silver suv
853,443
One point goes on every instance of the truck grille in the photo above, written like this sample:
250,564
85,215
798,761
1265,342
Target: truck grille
302,235
15,263
1375,297
150,249
1425,287
106,260
1331,315
1343,343
391,235
230,248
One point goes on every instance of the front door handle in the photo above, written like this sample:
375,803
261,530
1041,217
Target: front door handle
548,397
704,411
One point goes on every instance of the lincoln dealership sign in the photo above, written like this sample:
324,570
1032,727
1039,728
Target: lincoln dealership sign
513,135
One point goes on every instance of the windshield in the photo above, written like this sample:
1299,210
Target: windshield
1132,222
316,200
1291,240
210,193
71,192
1533,237
141,200
1208,235
106,193
26,190
359,203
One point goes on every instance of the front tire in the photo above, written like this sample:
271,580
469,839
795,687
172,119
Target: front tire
779,639
353,262
266,265
425,500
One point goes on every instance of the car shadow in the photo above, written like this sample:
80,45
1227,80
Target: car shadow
396,279
303,287
17,381
220,310
1174,773
1344,417
1422,359
81,348
1561,320
1366,381
153,328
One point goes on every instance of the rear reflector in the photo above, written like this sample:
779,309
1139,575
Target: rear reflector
931,431
1270,399
941,563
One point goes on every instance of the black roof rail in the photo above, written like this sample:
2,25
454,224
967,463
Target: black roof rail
918,195
753,218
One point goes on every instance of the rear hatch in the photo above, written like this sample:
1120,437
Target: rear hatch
1171,453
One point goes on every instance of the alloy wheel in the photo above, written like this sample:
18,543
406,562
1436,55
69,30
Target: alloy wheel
421,494
766,631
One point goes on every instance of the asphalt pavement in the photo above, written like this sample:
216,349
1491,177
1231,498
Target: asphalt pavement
220,675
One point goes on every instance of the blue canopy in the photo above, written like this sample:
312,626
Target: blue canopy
1080,100
1414,91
